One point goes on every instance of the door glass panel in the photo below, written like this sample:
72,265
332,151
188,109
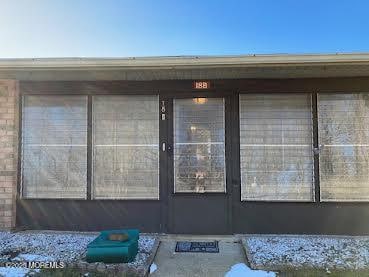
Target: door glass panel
126,147
199,150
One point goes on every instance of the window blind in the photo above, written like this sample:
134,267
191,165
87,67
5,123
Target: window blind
54,147
199,151
126,147
344,156
276,147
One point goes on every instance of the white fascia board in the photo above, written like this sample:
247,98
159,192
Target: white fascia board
183,62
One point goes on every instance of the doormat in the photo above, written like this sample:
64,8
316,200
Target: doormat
197,247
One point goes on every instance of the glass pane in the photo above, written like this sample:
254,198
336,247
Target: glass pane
54,147
344,157
199,158
276,147
126,147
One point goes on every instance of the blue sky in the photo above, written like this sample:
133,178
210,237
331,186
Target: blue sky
108,28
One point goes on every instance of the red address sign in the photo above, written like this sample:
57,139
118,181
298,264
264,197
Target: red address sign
201,84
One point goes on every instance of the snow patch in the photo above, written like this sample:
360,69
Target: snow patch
58,246
33,258
285,251
13,271
241,270
153,267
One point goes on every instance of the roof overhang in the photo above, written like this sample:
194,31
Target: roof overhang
187,67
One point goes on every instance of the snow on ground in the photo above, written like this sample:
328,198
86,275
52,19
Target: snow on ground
32,258
58,246
145,245
153,268
13,271
241,270
278,252
55,246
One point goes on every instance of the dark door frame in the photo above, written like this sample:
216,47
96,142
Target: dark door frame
168,165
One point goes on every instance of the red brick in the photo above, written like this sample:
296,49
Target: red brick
8,154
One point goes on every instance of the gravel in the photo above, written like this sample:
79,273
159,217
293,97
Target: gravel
145,245
58,246
276,252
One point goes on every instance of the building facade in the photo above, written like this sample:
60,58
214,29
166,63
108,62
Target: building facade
201,145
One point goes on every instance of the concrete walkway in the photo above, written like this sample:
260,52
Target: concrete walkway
170,263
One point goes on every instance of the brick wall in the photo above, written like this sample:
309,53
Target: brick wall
8,151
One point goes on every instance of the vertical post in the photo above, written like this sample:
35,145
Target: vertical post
169,166
316,146
20,146
232,150
89,146
163,172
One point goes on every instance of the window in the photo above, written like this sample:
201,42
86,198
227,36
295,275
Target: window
199,153
276,147
125,147
344,140
54,147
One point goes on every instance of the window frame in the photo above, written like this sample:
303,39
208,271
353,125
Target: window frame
318,147
84,91
315,198
20,193
91,183
89,156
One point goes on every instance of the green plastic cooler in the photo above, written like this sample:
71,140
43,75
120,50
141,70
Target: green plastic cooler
102,249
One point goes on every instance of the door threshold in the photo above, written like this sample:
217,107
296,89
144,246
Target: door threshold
188,237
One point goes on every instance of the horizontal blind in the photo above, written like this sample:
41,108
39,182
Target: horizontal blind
54,147
199,152
126,147
344,136
276,147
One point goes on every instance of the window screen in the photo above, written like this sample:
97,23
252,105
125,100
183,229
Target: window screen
54,147
344,139
276,147
199,152
126,147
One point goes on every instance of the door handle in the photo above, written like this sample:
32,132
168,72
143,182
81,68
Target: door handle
166,148
318,149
